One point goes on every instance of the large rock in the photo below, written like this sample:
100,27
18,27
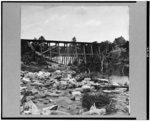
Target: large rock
95,111
65,79
78,98
98,111
100,80
107,91
47,84
22,74
52,94
76,93
78,89
72,81
46,112
79,84
31,75
95,84
58,112
73,73
53,107
32,108
84,82
40,73
28,98
41,94
23,88
34,91
69,76
43,75
58,71
47,74
63,83
55,86
58,77
87,79
86,87
26,80
36,84
115,84
73,98
27,112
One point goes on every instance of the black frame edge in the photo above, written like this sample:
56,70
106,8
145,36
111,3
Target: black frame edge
1,59
147,62
70,118
69,1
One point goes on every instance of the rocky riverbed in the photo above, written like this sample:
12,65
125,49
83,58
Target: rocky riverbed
66,92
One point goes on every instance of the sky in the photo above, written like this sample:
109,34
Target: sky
86,23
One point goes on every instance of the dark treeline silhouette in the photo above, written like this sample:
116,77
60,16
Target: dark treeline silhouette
111,58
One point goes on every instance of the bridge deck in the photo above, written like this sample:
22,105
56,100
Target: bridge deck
70,49
56,41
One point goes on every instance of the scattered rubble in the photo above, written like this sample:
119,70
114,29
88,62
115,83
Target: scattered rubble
63,92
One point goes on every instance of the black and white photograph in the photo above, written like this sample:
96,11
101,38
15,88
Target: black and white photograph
74,60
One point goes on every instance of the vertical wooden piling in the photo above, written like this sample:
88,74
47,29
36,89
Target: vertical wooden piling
58,53
64,54
69,57
58,49
84,54
67,54
41,49
92,50
50,50
70,53
76,51
99,49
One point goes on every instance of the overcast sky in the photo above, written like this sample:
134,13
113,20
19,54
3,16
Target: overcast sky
86,23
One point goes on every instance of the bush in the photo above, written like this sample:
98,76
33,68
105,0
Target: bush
98,98
111,108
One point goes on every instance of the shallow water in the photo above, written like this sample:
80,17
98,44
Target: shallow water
119,79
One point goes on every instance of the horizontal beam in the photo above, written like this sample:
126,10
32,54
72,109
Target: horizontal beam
72,54
56,41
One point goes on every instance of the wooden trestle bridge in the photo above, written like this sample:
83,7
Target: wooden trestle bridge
63,52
